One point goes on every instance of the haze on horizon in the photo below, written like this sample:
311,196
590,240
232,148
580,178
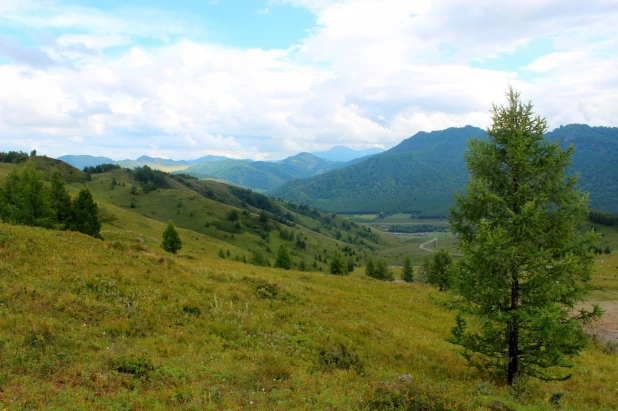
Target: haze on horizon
267,79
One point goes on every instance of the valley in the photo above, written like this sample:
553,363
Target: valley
120,321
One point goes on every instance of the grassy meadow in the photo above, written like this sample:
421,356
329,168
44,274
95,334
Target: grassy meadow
119,324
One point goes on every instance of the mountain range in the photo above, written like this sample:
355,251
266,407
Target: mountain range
421,174
261,176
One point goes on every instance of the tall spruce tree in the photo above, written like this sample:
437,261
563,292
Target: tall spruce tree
171,240
86,214
60,200
407,273
525,262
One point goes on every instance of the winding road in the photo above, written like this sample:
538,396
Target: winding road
422,247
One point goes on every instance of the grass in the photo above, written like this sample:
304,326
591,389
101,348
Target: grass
119,324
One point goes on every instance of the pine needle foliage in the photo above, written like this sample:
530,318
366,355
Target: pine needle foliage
171,240
85,217
407,273
525,263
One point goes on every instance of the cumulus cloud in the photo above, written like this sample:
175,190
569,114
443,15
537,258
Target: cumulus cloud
369,73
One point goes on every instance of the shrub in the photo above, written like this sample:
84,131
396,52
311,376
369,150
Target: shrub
136,366
339,356
171,240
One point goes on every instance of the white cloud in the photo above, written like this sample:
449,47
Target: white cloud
370,73
555,60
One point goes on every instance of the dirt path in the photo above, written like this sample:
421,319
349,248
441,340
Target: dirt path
422,247
607,327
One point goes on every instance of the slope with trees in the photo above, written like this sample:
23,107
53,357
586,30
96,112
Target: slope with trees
421,174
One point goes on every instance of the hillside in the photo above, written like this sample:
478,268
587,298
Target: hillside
164,164
263,175
242,221
92,324
418,175
421,174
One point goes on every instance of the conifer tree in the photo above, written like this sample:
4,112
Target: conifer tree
439,270
337,266
60,200
525,261
171,240
283,258
85,217
24,198
407,273
382,271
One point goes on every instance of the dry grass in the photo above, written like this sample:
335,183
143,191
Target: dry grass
116,324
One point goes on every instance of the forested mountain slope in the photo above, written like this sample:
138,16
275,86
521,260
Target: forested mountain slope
421,174
263,175
418,175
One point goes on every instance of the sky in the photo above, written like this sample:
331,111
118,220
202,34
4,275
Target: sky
268,79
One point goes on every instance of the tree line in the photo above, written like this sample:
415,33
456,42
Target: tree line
603,218
101,168
26,199
14,156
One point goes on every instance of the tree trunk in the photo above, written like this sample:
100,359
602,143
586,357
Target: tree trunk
513,334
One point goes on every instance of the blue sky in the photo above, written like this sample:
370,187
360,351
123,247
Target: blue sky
267,79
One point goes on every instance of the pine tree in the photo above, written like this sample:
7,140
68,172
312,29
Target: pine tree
283,258
525,261
337,266
24,199
60,200
171,240
86,215
382,271
407,273
439,271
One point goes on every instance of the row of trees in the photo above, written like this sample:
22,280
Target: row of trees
13,156
601,217
101,168
27,200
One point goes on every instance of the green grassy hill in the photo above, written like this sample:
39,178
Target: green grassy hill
263,175
227,214
421,174
120,324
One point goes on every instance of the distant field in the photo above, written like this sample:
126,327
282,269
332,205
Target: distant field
410,246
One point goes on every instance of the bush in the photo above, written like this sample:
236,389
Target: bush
339,356
135,366
171,240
